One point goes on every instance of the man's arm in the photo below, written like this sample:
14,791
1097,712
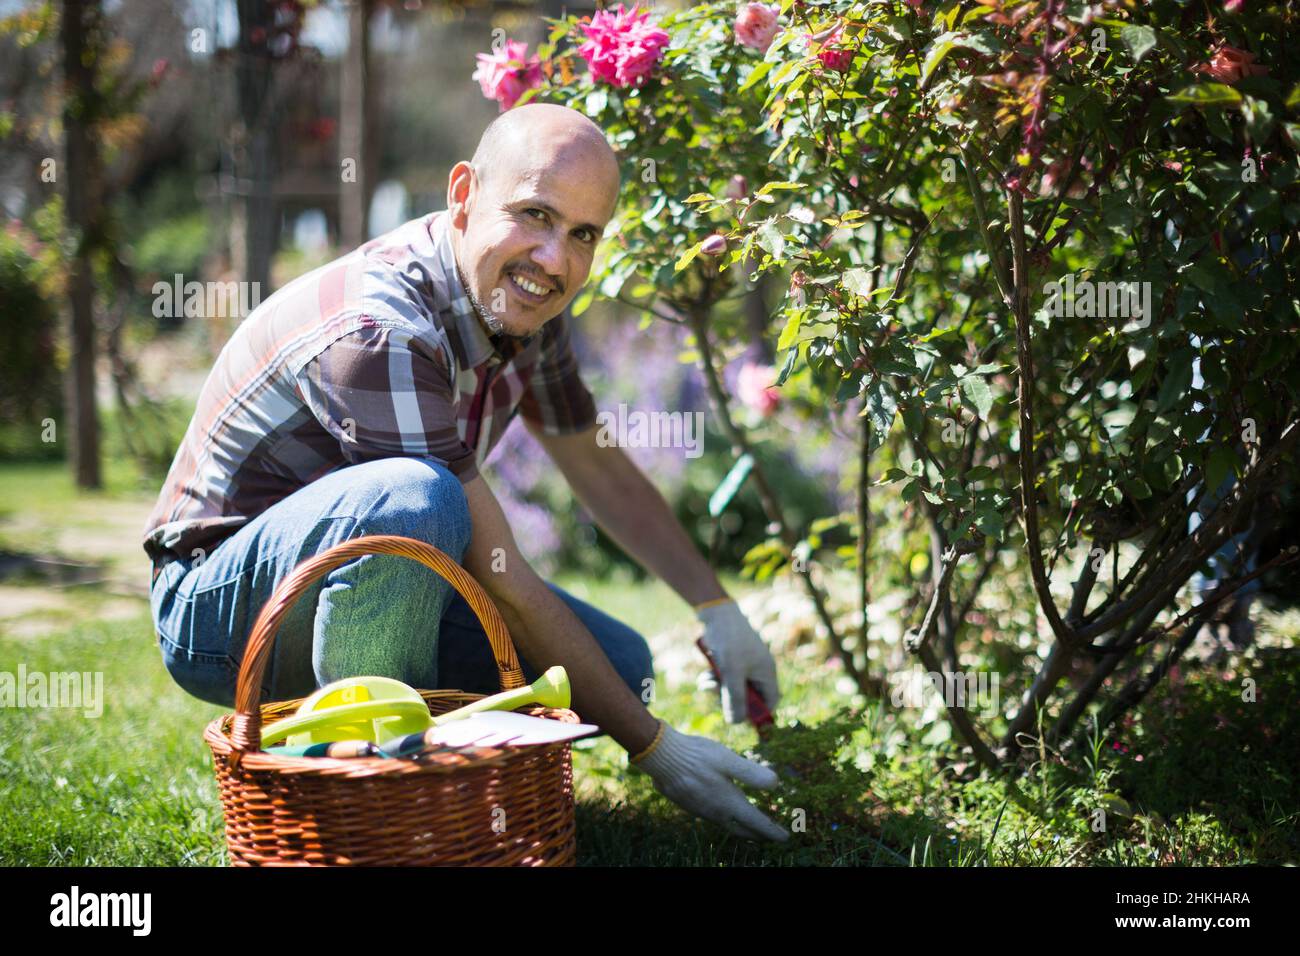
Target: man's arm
632,512
695,772
543,628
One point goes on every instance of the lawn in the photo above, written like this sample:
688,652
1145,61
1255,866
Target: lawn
1202,777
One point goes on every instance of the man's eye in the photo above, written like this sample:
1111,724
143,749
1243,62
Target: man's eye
540,214
585,235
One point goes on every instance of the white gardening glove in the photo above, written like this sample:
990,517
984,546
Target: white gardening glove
741,656
696,773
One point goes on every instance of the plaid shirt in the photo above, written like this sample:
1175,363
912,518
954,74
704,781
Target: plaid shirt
378,354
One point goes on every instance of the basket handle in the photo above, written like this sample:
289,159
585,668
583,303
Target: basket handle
246,729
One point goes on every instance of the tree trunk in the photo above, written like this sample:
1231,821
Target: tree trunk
257,164
354,130
79,29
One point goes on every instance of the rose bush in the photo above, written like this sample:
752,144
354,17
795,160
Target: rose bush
1045,250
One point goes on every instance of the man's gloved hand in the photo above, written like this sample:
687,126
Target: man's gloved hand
740,655
696,773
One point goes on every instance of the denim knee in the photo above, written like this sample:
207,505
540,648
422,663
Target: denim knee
416,498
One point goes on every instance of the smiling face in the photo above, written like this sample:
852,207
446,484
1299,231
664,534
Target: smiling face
527,215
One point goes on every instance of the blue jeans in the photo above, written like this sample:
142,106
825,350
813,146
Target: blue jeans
379,615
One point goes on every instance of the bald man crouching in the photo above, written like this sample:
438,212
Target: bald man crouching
361,398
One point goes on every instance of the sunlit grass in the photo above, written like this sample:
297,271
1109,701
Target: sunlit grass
135,785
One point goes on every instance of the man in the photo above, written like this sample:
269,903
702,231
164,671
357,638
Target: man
361,398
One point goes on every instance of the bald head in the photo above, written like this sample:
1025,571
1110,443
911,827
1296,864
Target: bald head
528,211
541,133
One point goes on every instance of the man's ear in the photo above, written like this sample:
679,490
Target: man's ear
461,186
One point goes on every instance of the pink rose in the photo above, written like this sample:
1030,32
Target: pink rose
505,75
1228,64
757,26
1232,6
622,48
832,55
754,387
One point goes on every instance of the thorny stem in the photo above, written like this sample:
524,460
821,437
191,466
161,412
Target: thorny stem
771,504
1024,398
918,644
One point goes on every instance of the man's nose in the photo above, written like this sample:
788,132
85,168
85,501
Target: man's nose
549,255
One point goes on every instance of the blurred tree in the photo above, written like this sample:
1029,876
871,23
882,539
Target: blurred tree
81,35
258,47
355,141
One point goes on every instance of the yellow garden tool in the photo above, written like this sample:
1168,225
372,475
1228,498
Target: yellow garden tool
550,690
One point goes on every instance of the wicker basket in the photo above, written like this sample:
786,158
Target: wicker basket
488,807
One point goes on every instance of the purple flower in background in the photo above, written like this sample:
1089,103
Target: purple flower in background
535,531
624,364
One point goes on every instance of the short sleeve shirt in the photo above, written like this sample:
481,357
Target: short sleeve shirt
378,354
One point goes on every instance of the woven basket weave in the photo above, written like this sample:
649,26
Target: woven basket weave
502,806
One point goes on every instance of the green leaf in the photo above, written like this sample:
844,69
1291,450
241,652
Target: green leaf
1140,40
786,69
581,303
882,405
730,485
857,281
892,363
770,239
1172,470
788,367
612,284
985,42
990,522
1138,488
772,187
1259,119
1221,463
756,74
790,331
1177,381
976,391
939,49
1207,94
687,256
914,418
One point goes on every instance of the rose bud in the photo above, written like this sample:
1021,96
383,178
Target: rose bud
715,245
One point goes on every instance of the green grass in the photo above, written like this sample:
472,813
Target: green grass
131,787
135,786
1216,783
